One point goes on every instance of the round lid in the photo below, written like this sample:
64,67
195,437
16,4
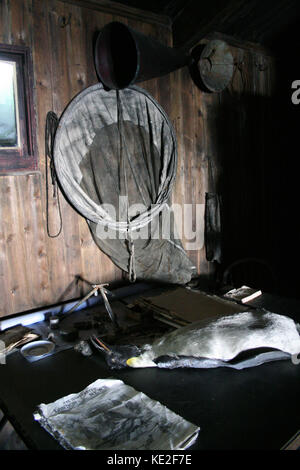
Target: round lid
216,66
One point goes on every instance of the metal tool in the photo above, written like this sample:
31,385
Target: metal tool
94,291
111,314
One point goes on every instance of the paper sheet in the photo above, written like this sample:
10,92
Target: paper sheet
109,415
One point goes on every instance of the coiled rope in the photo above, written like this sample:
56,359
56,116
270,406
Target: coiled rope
50,129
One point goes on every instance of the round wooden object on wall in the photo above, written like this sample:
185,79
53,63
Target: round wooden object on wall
216,66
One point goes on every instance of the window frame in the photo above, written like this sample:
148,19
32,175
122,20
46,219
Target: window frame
23,158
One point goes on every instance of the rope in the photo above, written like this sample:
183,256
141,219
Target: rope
129,242
131,270
50,129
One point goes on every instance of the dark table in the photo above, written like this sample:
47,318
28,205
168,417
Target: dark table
257,408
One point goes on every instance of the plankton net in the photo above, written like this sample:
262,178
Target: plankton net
115,156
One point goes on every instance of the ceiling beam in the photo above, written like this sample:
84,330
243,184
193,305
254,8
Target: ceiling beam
119,9
249,20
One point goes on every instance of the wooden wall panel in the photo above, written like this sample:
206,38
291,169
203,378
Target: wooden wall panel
37,270
239,144
231,132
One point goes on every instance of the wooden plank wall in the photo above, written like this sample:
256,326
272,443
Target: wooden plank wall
36,270
232,132
237,140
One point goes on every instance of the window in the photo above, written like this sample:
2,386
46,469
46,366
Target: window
17,139
9,129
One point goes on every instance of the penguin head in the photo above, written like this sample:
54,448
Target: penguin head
119,356
116,356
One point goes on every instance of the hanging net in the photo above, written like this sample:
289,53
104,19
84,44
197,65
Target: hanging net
115,157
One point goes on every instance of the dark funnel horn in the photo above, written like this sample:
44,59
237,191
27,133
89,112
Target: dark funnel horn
124,56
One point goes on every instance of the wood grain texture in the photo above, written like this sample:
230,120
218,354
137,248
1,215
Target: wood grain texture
248,20
36,270
228,132
123,11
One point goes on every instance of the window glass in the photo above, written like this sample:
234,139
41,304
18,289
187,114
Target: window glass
8,105
18,151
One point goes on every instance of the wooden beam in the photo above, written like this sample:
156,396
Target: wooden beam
118,9
198,20
249,20
239,43
174,8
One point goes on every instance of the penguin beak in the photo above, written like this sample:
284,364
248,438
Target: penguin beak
139,361
132,361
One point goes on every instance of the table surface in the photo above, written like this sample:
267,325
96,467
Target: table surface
255,408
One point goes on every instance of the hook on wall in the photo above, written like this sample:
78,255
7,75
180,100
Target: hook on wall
261,62
64,21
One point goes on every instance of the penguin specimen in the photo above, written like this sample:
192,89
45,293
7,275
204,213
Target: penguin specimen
238,341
